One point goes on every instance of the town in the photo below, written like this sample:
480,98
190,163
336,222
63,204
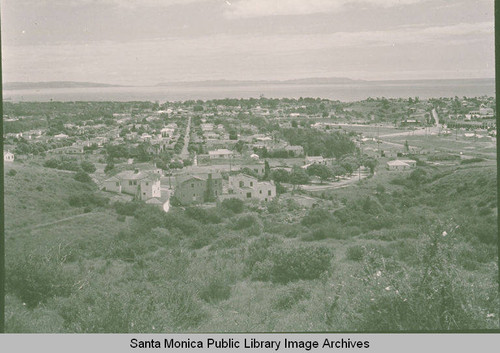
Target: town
201,153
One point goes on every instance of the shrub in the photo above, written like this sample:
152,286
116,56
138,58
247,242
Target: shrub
35,279
235,205
88,167
471,160
215,291
355,253
82,200
82,177
315,216
244,221
203,215
126,208
288,297
12,172
294,263
39,188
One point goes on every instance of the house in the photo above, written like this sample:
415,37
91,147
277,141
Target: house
220,153
140,184
8,156
60,136
246,187
167,132
295,150
317,160
401,164
258,168
199,188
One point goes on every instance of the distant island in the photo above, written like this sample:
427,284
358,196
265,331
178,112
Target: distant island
53,84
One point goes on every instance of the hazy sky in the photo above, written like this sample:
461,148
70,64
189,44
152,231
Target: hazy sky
151,41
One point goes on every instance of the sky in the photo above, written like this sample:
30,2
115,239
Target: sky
144,42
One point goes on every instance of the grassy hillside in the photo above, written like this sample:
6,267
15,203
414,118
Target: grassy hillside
411,251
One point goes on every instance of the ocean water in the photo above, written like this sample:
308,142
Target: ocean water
343,92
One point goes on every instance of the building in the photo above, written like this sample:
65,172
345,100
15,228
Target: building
295,151
401,164
318,160
259,168
245,187
142,185
8,156
221,153
200,188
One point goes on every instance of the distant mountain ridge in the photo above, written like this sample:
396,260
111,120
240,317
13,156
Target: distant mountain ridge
53,84
12,86
299,81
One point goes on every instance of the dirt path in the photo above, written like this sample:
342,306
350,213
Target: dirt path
41,225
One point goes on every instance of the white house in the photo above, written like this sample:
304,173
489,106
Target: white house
8,156
220,153
401,164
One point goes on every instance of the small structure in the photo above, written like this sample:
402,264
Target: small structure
8,156
401,164
221,153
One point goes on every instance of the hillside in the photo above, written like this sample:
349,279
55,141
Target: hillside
370,259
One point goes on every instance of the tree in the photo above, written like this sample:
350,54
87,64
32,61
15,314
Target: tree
83,177
280,176
88,167
267,170
239,146
370,163
109,167
233,135
338,170
320,170
176,165
298,176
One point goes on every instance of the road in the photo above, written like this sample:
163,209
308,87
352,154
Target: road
185,153
356,176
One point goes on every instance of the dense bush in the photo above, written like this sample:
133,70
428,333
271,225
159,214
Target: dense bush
289,296
471,160
12,172
233,204
244,221
215,290
355,253
62,164
87,199
126,208
88,167
295,263
316,216
35,279
203,215
82,177
432,295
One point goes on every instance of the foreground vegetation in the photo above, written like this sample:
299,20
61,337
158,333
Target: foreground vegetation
412,251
